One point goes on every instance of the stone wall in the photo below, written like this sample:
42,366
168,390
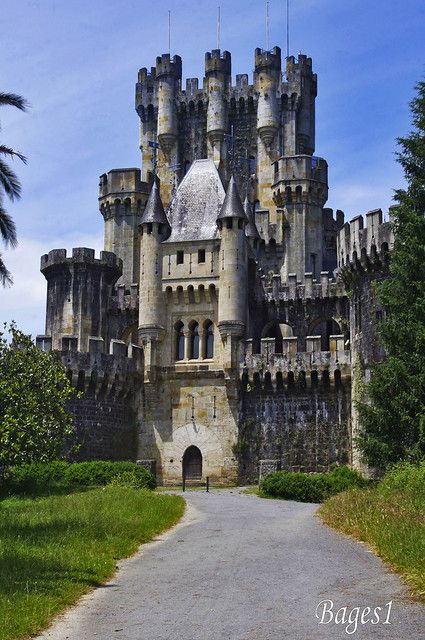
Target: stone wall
302,429
105,428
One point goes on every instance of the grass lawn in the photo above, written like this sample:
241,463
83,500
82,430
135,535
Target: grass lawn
55,548
391,522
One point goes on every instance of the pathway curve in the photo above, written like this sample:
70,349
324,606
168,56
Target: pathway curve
242,568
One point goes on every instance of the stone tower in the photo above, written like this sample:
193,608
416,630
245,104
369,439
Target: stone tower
219,333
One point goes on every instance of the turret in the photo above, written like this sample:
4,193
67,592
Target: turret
267,79
300,73
217,81
146,107
168,75
231,222
154,228
122,197
251,230
301,189
79,289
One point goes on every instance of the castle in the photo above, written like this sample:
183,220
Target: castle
231,319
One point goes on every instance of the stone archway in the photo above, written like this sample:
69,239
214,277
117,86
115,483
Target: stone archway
192,463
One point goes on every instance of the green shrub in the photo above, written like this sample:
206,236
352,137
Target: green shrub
51,476
406,478
127,479
310,487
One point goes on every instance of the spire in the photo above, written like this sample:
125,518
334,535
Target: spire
232,205
251,230
154,211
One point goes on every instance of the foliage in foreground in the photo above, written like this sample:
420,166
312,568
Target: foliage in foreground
34,391
393,419
39,478
310,487
390,517
9,186
55,548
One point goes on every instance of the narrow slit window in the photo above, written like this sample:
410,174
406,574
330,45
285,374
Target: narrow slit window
180,257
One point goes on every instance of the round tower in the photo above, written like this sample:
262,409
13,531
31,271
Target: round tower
146,108
122,197
218,81
154,228
79,289
300,73
168,76
267,78
232,301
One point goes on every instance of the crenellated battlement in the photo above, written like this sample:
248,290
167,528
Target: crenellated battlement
122,193
167,66
80,255
310,289
215,61
359,245
330,220
292,367
122,181
110,373
300,179
303,65
267,60
145,76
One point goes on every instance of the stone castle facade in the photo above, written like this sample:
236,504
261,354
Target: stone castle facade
230,319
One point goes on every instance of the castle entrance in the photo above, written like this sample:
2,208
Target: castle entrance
192,463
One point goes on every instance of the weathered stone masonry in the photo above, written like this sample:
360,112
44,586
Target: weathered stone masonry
215,338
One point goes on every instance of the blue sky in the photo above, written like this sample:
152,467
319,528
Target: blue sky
76,62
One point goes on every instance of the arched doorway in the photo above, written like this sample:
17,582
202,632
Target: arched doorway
192,463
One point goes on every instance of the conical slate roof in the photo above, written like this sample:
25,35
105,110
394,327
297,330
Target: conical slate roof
232,205
251,230
154,211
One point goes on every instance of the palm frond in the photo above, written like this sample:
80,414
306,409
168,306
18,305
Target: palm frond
7,228
8,151
13,100
5,275
9,181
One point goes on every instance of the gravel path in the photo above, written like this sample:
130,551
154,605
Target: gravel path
242,568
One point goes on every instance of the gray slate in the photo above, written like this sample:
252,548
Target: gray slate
194,209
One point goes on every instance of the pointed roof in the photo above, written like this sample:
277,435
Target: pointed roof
154,211
194,208
232,205
251,230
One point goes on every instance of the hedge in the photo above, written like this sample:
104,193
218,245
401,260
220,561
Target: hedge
310,487
41,477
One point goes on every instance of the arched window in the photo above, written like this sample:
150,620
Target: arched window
179,340
194,340
209,339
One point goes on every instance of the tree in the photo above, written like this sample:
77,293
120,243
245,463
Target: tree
9,186
393,420
34,392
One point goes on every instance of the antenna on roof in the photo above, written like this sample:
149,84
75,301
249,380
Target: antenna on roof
267,27
218,27
169,32
287,28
